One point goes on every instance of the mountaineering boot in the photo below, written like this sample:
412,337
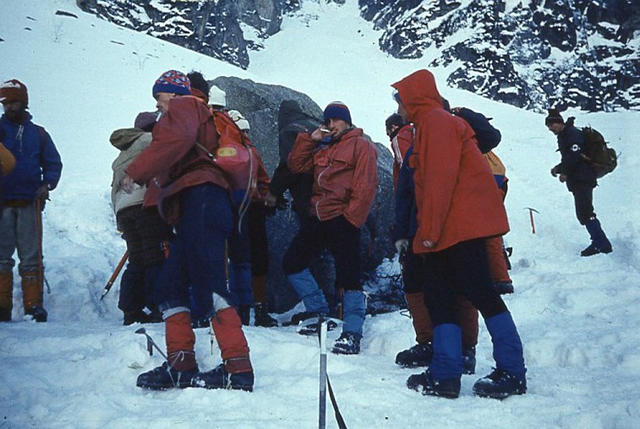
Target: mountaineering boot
32,296
427,385
311,328
499,385
167,376
416,356
38,313
221,378
599,241
235,372
509,376
181,366
469,360
262,317
309,292
6,295
347,344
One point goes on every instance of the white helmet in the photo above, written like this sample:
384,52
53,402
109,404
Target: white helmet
240,120
217,97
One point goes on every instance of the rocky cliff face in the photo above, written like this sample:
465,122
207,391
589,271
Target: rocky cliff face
532,54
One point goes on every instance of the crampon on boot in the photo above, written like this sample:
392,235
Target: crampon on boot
500,385
220,378
166,376
347,344
416,356
425,384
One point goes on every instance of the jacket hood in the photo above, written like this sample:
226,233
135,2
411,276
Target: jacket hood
418,91
122,138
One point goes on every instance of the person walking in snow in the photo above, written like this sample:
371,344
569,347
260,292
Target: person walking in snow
402,132
147,235
457,206
37,171
343,164
194,198
580,178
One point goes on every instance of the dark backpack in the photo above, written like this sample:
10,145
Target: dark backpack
602,159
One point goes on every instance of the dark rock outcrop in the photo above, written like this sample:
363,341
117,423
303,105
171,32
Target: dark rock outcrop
259,103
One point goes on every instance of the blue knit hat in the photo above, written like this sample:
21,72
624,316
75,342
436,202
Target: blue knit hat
337,110
172,81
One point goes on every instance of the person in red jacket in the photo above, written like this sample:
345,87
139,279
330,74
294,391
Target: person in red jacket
458,207
193,196
343,163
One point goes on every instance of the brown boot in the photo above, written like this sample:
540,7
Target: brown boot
32,296
6,295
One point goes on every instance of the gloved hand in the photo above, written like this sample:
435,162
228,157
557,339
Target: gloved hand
554,171
402,245
42,195
562,178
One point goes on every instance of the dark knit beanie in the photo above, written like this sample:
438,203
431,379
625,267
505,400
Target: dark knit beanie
394,119
145,120
199,86
172,81
13,90
337,110
553,117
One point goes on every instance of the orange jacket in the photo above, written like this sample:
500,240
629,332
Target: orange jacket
345,178
456,195
400,144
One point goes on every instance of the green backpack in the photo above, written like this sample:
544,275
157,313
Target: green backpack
602,159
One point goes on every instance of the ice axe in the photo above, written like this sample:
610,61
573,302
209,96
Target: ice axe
533,225
151,344
113,277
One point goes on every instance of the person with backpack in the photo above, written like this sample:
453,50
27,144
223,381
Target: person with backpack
488,138
256,236
404,230
343,163
580,177
193,197
37,171
147,235
457,207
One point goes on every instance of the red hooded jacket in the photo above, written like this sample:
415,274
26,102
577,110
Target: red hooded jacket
456,195
345,178
172,162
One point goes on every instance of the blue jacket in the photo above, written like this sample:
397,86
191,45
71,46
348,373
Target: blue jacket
37,159
406,209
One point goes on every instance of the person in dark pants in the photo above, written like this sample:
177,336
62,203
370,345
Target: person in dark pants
580,178
194,198
458,206
343,163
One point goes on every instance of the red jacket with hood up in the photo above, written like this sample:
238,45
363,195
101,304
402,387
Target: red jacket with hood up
456,195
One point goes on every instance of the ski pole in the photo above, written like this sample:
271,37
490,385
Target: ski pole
113,277
151,344
533,225
323,373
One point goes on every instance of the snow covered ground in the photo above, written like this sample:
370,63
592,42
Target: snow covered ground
578,317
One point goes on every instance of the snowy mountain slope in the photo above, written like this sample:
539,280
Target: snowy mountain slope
577,316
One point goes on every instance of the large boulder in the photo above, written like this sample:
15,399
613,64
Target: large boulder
259,103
